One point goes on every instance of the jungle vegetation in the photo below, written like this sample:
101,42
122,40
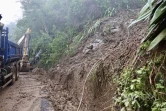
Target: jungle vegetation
57,26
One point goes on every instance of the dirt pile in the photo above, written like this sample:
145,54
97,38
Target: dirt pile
84,81
41,75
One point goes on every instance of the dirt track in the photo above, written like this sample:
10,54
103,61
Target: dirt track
27,94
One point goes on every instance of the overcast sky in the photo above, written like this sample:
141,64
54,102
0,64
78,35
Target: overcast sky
10,10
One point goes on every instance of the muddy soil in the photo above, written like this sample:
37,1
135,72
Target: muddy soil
84,81
27,94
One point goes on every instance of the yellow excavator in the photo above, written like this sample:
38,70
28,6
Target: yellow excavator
24,42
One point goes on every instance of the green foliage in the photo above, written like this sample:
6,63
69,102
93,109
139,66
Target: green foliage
159,106
109,12
53,49
146,7
58,26
156,12
145,87
141,17
94,27
157,40
139,90
133,92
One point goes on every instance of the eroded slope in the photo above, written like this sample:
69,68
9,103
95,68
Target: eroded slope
85,81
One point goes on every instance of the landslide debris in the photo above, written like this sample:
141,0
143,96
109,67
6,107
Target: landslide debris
84,81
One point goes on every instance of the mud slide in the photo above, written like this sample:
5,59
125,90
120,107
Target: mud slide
27,94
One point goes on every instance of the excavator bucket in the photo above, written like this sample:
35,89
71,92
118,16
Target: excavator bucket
25,67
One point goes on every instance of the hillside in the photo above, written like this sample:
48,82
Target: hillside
85,79
90,55
115,68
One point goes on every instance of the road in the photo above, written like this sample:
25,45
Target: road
27,94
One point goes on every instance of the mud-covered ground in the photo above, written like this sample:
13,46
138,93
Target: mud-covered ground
84,81
27,94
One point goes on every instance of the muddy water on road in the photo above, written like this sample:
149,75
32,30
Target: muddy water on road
26,94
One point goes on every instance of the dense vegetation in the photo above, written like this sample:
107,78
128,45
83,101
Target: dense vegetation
59,25
142,85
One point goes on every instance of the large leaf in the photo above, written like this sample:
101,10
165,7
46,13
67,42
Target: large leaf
149,33
146,7
156,41
155,7
142,17
159,13
155,30
150,3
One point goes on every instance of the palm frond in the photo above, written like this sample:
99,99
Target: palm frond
146,7
149,33
155,10
159,13
158,39
142,17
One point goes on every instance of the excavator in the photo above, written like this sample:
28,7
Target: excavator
25,64
24,42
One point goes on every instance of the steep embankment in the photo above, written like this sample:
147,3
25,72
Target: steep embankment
85,80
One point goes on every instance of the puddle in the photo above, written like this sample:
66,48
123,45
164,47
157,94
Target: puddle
46,105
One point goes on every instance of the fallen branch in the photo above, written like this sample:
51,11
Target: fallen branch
90,72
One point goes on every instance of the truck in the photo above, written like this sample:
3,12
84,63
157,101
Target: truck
13,57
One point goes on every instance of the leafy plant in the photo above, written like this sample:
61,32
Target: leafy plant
109,12
94,27
139,90
155,11
133,91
